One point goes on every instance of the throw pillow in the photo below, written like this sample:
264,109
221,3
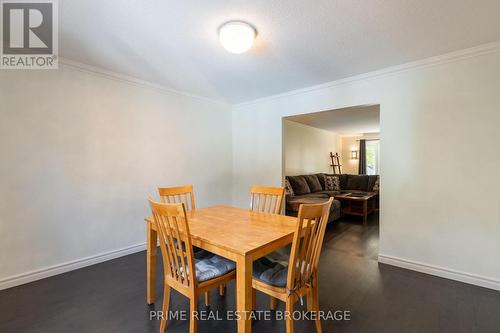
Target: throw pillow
332,183
288,188
376,187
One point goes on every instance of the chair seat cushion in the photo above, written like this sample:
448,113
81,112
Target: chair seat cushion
281,255
273,268
270,272
195,249
210,266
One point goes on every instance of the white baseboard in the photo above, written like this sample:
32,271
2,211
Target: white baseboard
20,279
447,273
38,274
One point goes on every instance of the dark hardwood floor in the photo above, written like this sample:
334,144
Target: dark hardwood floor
110,297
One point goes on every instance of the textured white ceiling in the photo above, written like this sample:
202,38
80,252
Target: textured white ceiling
345,121
300,43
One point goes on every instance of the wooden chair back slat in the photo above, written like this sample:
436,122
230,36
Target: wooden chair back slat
179,194
181,254
175,241
307,242
266,199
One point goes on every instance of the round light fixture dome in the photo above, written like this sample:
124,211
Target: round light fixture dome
237,36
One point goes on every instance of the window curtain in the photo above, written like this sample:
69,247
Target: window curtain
362,157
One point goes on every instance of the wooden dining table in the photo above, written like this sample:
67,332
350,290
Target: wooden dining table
234,233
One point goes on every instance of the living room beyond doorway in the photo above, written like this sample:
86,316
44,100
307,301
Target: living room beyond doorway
334,153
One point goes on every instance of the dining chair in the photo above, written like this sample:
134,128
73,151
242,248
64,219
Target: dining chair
266,199
184,194
289,283
179,261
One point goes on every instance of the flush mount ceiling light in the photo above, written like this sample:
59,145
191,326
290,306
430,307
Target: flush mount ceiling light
237,36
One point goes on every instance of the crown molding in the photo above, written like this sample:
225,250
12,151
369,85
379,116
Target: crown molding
101,72
419,64
414,65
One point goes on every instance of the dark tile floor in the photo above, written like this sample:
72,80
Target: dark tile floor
110,297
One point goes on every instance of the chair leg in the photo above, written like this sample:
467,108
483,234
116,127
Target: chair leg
166,304
222,289
289,314
254,297
309,302
193,308
273,302
207,298
315,305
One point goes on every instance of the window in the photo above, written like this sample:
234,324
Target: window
373,157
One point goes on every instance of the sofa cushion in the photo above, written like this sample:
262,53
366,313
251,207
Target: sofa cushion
311,195
299,185
357,182
292,206
372,179
329,193
335,211
311,198
353,192
313,183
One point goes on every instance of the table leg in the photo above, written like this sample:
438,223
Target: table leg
365,211
151,263
244,293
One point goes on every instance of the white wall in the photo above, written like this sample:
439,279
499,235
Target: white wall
307,149
81,152
440,206
350,143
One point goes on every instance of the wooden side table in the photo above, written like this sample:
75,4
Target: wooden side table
358,204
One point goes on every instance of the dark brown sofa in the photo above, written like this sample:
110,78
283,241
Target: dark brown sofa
311,189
